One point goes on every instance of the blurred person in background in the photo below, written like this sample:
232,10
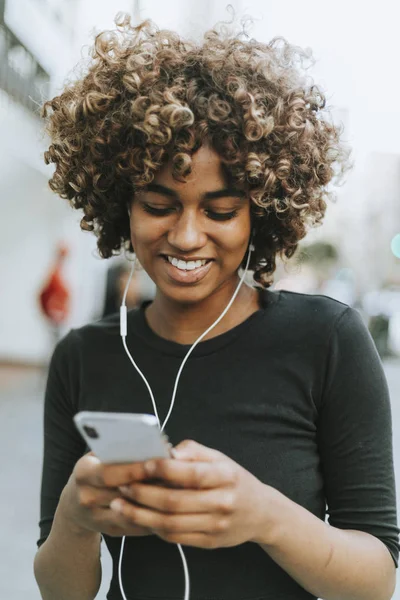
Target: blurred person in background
54,297
204,159
117,277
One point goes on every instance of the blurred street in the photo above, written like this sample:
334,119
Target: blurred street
21,401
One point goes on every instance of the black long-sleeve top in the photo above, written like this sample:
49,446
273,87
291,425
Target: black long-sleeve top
296,394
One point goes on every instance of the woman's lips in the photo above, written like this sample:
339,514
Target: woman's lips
192,276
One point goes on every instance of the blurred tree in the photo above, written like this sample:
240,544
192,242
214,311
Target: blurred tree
379,328
319,257
317,253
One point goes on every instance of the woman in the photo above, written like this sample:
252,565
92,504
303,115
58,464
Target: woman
186,153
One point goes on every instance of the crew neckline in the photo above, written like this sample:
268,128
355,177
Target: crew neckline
138,325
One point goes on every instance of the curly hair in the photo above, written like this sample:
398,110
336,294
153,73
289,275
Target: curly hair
149,96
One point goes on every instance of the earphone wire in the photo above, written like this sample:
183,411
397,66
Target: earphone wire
203,335
123,332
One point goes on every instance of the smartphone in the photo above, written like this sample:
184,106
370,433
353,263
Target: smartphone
122,437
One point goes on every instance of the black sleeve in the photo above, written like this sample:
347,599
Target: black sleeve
355,436
63,445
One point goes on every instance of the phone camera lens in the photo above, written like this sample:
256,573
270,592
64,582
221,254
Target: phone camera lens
91,431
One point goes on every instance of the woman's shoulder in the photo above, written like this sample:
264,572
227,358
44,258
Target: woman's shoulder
95,333
311,312
314,305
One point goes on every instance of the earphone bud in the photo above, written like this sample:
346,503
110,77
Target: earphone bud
251,244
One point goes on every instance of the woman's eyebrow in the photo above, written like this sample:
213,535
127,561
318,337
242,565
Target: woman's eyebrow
157,187
223,193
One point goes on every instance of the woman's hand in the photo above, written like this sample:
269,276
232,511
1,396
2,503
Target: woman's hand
85,501
221,503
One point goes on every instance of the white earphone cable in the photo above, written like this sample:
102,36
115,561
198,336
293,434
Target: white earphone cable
123,332
203,335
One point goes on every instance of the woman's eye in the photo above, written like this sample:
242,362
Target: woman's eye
161,212
216,216
211,214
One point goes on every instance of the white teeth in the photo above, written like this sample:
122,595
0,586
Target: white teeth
186,266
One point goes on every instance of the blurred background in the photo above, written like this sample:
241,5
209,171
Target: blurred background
51,278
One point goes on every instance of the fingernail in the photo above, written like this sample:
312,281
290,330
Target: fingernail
125,489
177,453
150,467
116,505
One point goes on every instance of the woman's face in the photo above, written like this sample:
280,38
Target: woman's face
191,237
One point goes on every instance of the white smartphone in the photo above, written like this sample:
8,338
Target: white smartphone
122,437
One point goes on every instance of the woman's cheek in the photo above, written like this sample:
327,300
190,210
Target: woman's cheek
144,233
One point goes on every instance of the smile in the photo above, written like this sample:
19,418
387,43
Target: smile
186,272
186,265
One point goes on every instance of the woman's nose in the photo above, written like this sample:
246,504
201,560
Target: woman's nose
187,234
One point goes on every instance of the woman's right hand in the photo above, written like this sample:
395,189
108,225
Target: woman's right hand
85,500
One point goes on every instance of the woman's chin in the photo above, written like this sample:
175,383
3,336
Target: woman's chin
185,295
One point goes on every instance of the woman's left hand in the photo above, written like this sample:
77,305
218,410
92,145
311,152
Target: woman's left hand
208,501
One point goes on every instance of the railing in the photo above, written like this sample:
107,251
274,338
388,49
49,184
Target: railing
21,76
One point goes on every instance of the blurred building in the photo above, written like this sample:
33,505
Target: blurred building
353,72
382,218
36,45
365,219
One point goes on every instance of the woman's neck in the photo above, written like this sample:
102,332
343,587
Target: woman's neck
185,323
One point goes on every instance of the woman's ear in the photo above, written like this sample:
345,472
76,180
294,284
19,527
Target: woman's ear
129,206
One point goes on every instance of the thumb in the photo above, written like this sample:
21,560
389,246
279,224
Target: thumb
191,450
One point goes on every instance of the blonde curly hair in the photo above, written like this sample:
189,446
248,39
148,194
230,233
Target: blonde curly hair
150,96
